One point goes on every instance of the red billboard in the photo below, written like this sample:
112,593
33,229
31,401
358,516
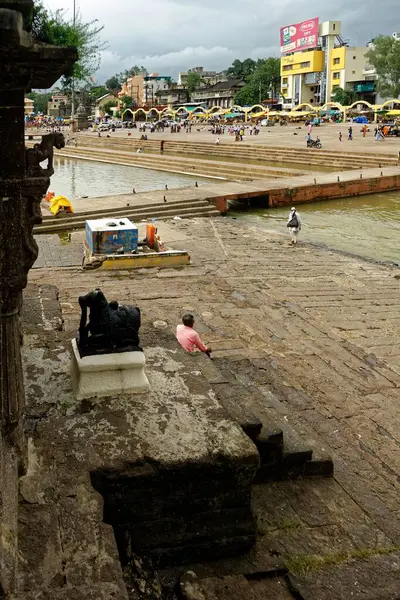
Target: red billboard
300,36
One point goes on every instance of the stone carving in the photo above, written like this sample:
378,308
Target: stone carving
112,327
41,152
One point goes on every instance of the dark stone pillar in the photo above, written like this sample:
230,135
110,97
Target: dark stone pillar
24,64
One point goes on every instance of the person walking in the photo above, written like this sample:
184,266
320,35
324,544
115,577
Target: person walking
364,130
350,134
294,225
340,136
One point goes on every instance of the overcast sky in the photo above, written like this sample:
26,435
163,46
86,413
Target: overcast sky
168,36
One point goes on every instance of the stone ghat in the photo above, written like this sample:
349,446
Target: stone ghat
175,471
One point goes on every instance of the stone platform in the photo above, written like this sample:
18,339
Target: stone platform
107,374
167,472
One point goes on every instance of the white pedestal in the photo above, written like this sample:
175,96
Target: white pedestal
108,374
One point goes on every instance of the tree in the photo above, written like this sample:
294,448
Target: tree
384,56
108,106
97,91
135,70
40,101
54,28
114,83
242,69
126,102
261,84
117,80
344,97
193,82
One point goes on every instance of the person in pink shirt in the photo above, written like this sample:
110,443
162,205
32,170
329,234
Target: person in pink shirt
188,338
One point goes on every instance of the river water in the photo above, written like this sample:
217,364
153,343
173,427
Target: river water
77,178
365,225
368,226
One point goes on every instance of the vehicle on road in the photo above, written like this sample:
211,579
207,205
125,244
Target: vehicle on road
314,143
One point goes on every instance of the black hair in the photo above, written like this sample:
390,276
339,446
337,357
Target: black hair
188,319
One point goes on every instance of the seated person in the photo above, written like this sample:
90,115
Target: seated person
188,338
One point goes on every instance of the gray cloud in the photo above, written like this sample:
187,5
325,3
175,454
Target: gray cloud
172,35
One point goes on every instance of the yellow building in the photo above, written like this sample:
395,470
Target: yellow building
300,76
347,65
311,77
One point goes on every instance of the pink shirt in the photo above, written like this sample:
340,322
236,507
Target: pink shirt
189,339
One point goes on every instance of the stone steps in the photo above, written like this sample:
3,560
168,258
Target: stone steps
202,168
195,208
283,453
234,587
252,152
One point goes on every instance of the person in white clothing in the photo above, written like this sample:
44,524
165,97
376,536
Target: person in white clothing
294,224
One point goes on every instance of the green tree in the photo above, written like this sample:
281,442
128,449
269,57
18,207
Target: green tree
126,102
97,91
261,84
344,97
193,82
40,101
54,28
384,56
114,83
135,70
242,69
108,106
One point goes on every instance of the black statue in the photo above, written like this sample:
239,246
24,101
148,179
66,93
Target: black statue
112,327
41,152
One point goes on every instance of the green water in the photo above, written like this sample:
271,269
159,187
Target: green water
368,226
82,178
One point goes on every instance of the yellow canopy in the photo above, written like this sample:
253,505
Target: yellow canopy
258,114
394,113
301,113
61,203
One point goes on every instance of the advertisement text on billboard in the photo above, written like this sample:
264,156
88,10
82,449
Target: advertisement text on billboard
300,36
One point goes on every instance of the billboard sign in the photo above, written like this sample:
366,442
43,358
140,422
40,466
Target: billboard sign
300,36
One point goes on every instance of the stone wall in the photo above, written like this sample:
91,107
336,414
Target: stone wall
340,189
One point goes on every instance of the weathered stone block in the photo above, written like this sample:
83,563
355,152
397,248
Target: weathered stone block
108,374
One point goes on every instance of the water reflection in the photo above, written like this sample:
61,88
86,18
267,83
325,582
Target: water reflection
80,178
364,225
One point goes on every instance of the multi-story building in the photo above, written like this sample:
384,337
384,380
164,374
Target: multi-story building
313,75
144,89
56,107
172,96
347,72
133,87
208,78
221,94
301,77
29,106
152,86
